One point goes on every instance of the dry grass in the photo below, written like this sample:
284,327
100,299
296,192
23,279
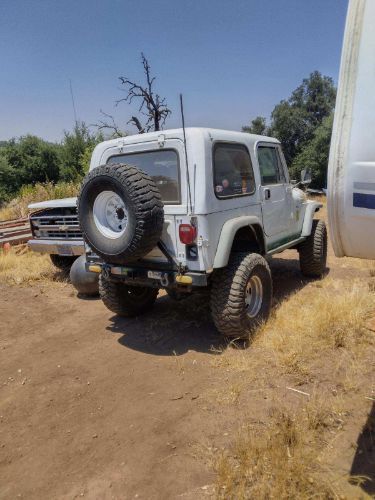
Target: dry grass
276,460
40,192
329,315
7,213
317,337
326,316
16,268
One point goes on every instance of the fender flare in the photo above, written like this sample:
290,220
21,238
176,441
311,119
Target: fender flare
311,208
227,235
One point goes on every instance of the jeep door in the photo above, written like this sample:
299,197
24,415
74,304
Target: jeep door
275,190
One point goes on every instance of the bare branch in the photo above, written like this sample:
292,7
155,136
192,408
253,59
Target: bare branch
157,110
111,125
134,120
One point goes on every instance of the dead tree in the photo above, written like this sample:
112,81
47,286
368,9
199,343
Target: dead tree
152,106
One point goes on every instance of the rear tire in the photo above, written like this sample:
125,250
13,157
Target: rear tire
241,295
313,251
62,262
176,294
124,300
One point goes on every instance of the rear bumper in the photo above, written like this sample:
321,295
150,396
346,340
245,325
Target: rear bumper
149,277
59,247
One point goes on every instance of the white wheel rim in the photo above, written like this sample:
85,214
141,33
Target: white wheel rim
254,296
110,214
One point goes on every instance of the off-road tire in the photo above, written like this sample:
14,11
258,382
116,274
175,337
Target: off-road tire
228,294
313,251
126,300
176,295
62,262
143,203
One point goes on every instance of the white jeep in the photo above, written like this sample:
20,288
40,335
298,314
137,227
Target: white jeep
160,211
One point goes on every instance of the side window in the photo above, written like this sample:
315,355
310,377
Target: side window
283,164
233,171
271,168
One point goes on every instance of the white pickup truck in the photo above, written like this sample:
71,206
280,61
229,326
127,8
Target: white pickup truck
55,229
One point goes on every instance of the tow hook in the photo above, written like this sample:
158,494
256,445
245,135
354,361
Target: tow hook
164,279
106,271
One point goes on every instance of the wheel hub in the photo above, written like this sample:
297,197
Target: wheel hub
110,214
253,296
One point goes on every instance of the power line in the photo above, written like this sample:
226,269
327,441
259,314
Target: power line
73,103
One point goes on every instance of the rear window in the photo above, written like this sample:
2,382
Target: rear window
162,166
233,171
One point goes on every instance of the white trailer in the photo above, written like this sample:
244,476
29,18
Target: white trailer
351,171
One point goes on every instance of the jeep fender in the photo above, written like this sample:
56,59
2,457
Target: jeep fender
227,235
311,208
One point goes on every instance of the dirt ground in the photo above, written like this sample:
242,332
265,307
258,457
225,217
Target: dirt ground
100,407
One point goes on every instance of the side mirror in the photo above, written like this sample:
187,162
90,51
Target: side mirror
306,177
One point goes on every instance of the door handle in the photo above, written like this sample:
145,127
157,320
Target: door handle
267,194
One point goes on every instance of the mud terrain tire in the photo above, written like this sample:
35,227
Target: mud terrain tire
120,212
176,295
313,251
241,295
128,301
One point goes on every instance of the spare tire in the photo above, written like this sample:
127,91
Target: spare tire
120,212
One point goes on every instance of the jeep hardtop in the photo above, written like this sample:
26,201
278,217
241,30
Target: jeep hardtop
186,209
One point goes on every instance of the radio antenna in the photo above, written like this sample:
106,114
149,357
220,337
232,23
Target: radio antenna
186,155
73,103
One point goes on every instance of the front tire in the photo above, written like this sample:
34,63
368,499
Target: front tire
313,251
241,295
124,300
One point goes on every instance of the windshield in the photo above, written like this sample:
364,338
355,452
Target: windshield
162,166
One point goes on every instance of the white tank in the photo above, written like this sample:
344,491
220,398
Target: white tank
351,171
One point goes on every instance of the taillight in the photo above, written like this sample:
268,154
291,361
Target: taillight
187,233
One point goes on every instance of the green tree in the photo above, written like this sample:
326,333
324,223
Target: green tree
74,146
28,160
315,154
294,122
8,178
258,126
85,157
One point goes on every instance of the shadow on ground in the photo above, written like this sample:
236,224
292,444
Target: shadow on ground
363,466
171,328
174,328
287,278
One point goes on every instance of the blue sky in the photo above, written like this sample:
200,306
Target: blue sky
232,60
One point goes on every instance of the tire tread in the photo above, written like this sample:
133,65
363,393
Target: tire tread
313,251
115,298
227,295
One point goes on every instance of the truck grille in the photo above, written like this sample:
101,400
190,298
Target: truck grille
56,223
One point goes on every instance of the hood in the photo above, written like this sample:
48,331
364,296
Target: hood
63,203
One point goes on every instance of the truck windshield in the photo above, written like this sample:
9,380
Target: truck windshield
162,166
